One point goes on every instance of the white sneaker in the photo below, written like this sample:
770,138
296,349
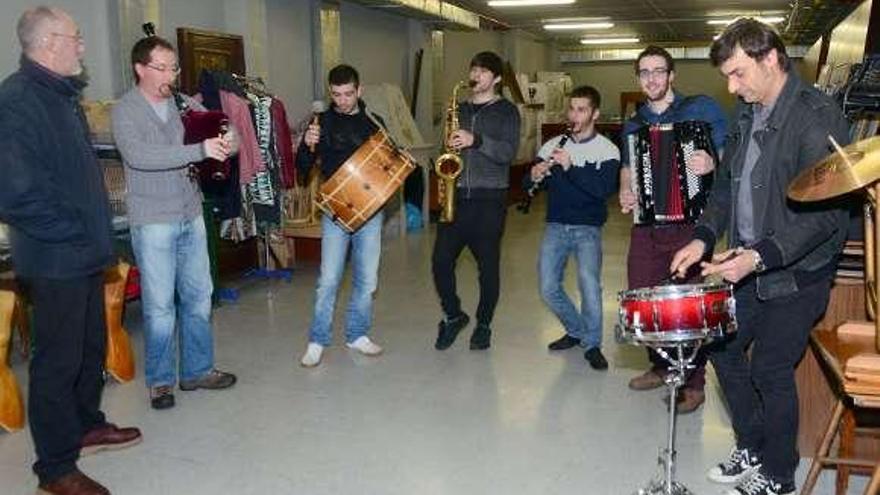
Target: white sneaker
365,346
312,357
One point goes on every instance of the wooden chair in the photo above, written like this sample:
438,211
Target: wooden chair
11,405
119,360
836,348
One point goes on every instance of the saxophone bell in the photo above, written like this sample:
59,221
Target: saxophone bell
449,165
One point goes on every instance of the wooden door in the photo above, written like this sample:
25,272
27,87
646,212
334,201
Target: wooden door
199,49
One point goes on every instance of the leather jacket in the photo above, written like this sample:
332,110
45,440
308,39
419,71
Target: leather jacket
798,242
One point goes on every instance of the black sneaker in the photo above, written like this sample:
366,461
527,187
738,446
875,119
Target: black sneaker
162,397
761,484
481,339
447,331
596,359
563,343
740,465
212,380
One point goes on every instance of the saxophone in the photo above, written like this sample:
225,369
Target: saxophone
449,165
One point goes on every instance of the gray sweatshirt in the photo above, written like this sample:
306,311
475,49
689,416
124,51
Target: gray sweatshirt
158,189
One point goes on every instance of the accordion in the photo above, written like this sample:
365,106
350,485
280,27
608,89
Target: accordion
201,125
667,191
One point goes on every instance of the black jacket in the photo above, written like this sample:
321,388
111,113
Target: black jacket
341,136
487,162
52,188
799,242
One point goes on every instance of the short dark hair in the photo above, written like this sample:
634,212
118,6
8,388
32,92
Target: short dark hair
343,74
754,37
140,52
589,93
656,51
489,61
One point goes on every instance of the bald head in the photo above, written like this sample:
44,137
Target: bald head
50,37
34,26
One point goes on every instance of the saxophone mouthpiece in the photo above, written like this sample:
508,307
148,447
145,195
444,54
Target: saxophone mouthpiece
472,83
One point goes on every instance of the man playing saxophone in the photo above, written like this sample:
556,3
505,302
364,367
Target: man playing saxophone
487,142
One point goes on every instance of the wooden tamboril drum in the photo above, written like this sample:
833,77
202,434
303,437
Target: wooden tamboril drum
669,314
364,182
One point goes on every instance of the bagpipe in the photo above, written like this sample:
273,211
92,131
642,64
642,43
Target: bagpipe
199,125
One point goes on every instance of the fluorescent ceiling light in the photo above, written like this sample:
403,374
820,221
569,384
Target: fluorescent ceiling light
527,3
580,25
765,20
608,41
576,19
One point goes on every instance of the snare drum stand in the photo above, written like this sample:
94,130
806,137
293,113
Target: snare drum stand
674,380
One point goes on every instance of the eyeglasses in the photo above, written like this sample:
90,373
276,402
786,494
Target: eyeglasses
647,74
78,37
174,69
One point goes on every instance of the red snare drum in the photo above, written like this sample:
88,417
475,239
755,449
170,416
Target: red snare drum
669,314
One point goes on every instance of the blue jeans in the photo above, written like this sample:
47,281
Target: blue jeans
585,243
366,246
173,259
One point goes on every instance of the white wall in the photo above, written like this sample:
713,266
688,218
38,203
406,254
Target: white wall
93,19
376,44
290,54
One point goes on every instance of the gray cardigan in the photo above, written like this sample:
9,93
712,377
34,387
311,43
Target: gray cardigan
158,189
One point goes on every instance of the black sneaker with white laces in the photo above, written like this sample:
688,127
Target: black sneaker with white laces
740,465
761,484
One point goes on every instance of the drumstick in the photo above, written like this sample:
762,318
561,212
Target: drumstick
840,150
317,108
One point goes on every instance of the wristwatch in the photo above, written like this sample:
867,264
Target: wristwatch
759,262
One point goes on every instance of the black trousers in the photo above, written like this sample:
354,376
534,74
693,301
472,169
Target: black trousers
66,369
478,225
761,391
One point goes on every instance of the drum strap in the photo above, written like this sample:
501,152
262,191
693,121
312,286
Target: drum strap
380,125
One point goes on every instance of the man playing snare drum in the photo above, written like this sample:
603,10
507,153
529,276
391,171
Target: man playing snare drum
339,132
783,255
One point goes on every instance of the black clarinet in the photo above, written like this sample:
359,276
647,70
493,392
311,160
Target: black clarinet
526,203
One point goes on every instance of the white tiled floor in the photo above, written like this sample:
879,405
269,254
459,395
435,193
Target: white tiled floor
513,420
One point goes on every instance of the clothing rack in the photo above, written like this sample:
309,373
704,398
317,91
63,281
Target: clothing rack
254,84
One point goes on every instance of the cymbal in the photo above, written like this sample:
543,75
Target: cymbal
836,175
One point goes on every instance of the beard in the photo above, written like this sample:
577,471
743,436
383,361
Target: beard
166,90
660,95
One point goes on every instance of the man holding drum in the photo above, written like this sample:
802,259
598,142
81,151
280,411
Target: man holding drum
336,135
784,253
652,245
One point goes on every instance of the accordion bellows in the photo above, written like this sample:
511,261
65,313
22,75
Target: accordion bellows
667,191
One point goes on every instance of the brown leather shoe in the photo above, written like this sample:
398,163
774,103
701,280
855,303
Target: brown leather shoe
73,483
647,381
108,437
689,400
212,380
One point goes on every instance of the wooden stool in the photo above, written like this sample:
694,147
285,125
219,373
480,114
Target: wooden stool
11,406
836,348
